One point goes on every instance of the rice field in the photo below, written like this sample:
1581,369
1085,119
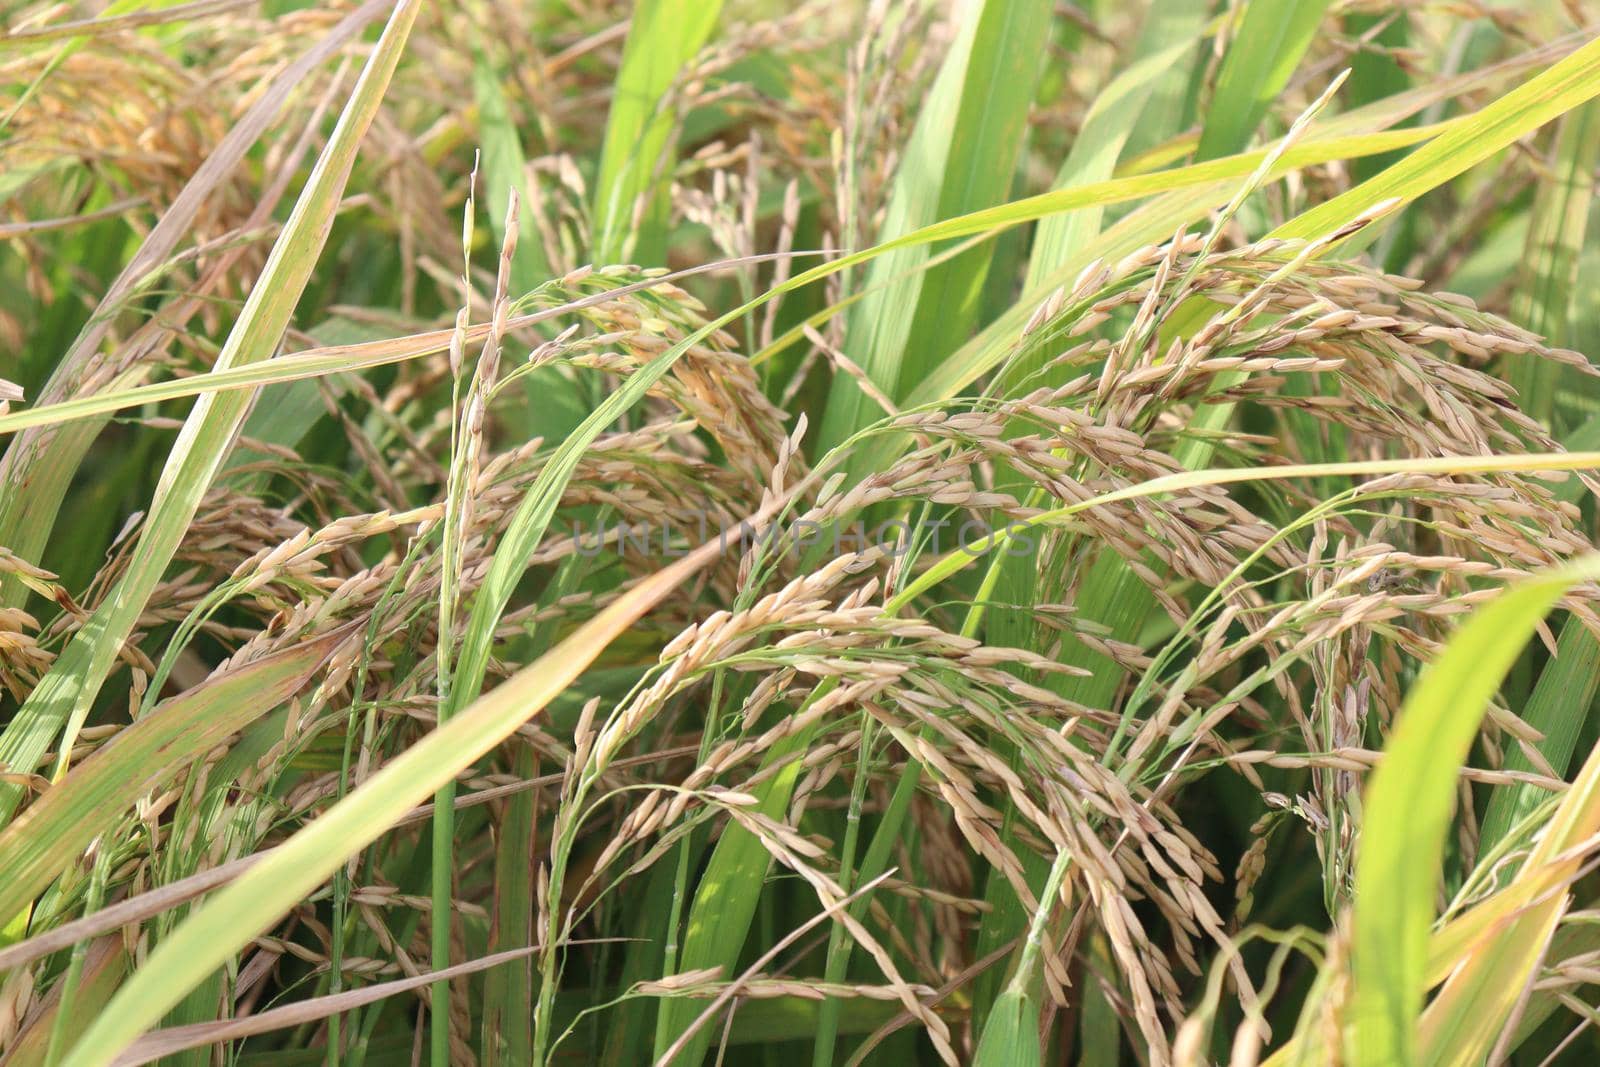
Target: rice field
999,532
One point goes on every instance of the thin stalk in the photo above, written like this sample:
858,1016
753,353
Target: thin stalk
93,900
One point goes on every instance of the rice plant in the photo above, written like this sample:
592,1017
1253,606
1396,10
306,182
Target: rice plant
864,532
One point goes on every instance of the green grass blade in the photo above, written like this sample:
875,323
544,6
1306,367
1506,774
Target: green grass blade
1558,708
725,902
1549,269
960,158
664,37
1011,1032
1273,37
508,991
985,140
553,403
1374,75
504,170
1407,807
1011,1036
1166,42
